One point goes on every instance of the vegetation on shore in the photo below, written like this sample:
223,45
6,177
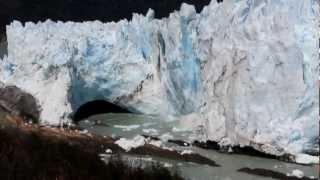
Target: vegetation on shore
40,153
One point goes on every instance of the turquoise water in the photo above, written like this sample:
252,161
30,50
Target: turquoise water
130,125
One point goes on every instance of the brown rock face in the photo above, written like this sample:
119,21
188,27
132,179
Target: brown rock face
17,102
3,44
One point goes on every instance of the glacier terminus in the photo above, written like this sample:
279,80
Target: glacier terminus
246,72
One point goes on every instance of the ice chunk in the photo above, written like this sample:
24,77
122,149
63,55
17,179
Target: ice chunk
108,151
306,159
168,165
151,131
155,143
128,127
298,173
186,152
128,144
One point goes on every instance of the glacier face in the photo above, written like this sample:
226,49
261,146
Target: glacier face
247,70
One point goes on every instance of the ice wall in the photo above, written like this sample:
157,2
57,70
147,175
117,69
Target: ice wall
246,69
260,77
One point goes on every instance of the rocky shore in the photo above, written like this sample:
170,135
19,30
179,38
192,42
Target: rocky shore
28,151
32,151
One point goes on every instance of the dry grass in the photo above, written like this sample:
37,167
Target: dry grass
27,152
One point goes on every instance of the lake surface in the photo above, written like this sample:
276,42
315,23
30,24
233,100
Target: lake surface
130,125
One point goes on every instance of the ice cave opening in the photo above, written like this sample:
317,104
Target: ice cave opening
96,107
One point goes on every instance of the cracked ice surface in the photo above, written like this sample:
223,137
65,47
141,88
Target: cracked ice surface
246,70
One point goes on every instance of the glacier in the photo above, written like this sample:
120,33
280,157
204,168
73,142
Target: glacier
245,72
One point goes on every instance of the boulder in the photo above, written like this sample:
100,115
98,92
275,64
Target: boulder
17,102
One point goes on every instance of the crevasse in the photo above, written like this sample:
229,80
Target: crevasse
246,70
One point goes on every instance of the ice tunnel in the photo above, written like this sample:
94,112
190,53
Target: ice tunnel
96,107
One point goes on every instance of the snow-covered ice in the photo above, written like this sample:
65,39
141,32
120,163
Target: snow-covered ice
247,70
